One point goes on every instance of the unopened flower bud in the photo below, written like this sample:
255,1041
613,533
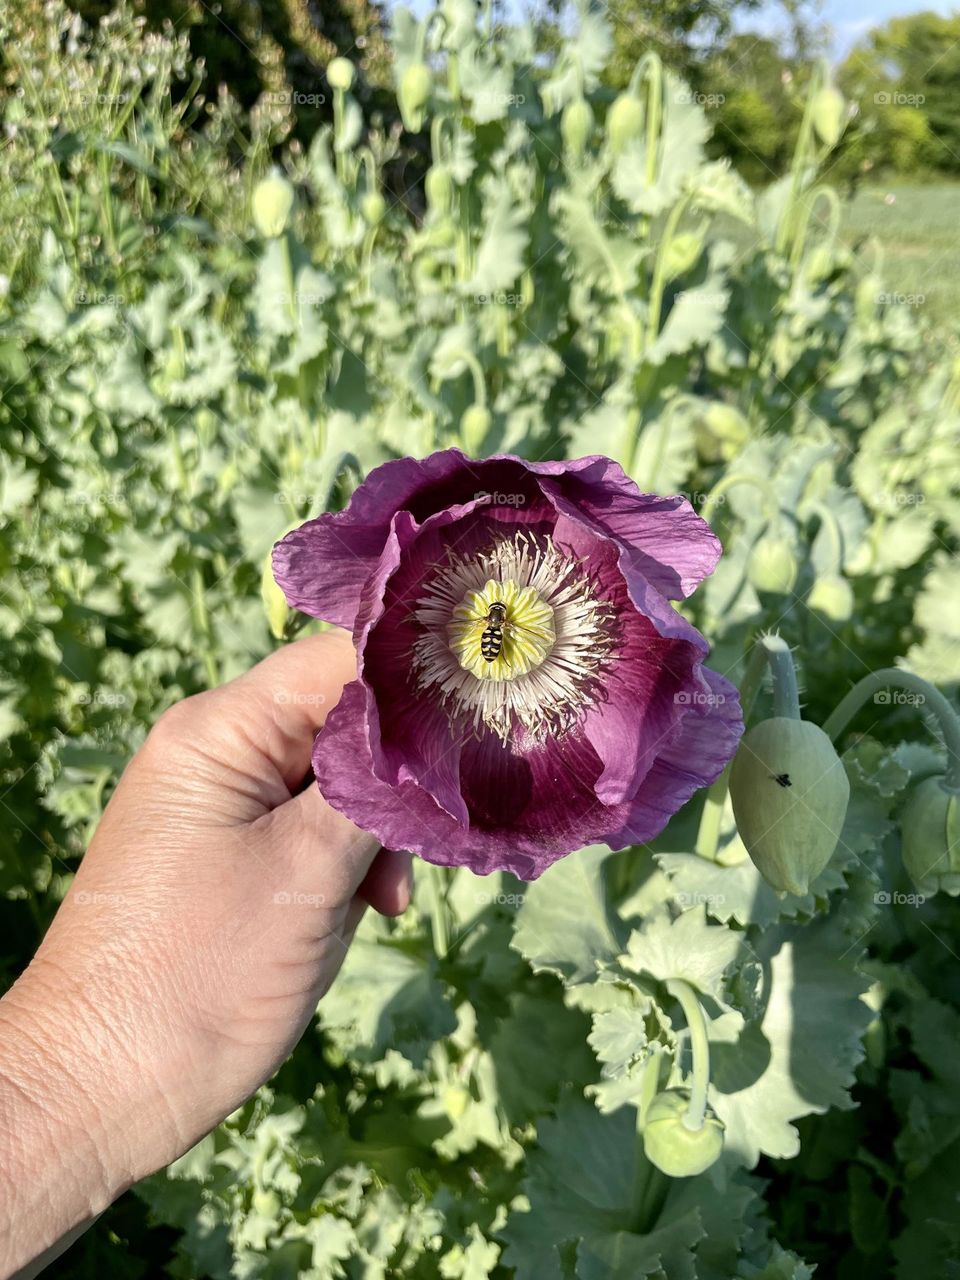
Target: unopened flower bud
340,73
576,124
624,121
789,792
772,566
675,1148
930,838
271,205
415,85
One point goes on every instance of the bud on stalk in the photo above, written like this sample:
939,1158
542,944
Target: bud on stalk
789,792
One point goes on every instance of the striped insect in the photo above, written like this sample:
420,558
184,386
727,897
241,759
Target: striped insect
491,641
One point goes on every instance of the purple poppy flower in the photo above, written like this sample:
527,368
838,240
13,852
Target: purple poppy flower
524,687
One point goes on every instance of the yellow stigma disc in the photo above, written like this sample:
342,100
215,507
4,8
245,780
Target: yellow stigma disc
528,633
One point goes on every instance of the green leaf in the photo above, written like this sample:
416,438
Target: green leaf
800,1058
567,924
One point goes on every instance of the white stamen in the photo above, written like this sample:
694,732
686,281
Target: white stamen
547,699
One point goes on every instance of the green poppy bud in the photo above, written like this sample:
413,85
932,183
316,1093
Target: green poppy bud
456,1099
828,115
576,124
415,85
930,838
271,205
373,207
681,253
438,185
274,602
474,426
267,1203
668,1142
789,792
340,73
624,121
772,566
832,596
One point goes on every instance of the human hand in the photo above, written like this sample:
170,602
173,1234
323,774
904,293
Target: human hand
211,912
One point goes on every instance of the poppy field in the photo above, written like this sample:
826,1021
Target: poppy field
725,1047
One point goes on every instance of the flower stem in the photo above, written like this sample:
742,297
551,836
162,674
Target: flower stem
649,1184
708,833
771,507
933,701
699,1047
438,909
786,699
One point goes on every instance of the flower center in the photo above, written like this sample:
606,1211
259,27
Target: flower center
514,637
501,632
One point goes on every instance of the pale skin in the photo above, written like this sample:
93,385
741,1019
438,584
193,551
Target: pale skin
210,914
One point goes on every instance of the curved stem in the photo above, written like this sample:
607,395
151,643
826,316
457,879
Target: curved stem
476,372
834,533
933,701
711,819
786,699
699,1047
771,507
823,192
660,267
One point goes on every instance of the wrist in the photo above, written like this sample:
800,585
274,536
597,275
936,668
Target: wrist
81,1121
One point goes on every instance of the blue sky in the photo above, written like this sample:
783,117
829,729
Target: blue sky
849,19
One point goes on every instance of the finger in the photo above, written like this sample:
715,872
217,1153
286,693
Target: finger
388,885
316,849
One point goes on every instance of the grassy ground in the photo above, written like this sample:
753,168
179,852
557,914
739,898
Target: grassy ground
918,229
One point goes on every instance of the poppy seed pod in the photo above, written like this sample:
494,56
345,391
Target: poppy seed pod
340,73
827,112
930,838
772,566
415,85
789,792
271,205
576,124
624,121
474,426
438,185
670,1143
